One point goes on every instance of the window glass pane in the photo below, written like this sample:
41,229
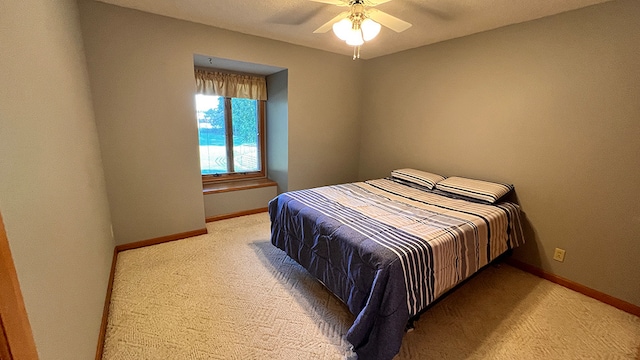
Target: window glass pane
245,135
211,130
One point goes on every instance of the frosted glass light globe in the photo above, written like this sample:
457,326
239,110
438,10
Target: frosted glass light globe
355,38
370,29
342,28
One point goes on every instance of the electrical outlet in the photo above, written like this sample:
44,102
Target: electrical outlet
558,254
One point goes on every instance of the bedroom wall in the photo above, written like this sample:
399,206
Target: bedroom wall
234,202
277,129
549,105
52,190
141,71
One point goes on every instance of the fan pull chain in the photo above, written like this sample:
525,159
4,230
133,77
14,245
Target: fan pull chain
356,52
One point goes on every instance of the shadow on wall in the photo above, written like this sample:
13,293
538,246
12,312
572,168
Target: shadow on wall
530,248
281,178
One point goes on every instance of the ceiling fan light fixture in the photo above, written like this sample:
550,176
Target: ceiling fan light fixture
370,29
361,23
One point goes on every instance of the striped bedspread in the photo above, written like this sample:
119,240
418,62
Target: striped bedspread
388,250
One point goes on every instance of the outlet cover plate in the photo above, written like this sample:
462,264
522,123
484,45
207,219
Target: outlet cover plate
558,254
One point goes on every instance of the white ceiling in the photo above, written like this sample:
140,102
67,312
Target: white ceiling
294,21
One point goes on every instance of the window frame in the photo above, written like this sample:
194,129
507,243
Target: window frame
234,176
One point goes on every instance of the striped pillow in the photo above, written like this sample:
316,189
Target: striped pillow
421,178
476,189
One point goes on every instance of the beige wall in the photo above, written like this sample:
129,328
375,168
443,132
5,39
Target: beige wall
549,105
238,201
277,129
52,191
141,71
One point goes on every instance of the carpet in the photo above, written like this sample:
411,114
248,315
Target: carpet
230,294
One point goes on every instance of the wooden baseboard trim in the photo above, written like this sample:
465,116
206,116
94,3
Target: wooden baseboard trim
160,240
237,214
595,294
105,310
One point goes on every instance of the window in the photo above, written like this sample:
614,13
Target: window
231,132
231,122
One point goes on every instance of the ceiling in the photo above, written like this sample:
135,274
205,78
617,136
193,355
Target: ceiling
294,21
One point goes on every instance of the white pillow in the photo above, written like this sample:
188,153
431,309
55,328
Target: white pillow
421,178
476,189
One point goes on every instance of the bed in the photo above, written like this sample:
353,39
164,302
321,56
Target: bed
389,247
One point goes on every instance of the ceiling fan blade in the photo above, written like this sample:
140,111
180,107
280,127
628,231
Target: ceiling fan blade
333,2
387,20
329,24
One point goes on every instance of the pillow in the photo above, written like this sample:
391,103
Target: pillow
477,189
422,178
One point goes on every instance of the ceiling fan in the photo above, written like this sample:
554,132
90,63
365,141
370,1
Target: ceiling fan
360,23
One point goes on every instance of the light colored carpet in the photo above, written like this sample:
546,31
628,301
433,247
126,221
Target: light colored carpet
230,294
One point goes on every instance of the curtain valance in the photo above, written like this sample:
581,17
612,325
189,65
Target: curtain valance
231,85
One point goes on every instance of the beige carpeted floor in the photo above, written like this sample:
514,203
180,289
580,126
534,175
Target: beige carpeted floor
232,295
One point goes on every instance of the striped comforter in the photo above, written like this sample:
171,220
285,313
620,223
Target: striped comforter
388,250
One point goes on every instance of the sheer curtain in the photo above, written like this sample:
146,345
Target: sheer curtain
231,85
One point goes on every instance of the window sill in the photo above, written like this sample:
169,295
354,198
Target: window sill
220,187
